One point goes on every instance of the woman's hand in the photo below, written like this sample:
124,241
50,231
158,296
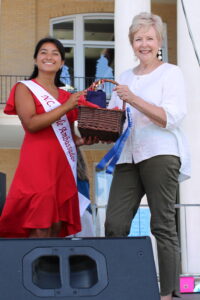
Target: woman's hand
73,100
86,141
91,140
124,93
155,113
107,142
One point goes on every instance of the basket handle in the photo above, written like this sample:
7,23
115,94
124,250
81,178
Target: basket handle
100,81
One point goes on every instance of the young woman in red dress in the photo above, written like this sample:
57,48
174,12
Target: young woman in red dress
43,199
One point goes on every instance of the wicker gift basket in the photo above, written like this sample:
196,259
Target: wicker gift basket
104,123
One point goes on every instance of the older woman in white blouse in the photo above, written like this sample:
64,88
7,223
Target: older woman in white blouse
155,156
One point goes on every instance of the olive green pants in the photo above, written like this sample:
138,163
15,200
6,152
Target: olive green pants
156,177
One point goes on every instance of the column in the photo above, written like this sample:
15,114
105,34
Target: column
190,190
125,10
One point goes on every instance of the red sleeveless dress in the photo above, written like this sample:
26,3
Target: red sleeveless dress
43,190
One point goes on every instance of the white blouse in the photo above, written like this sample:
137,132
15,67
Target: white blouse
163,87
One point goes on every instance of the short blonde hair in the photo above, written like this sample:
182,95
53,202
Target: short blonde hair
146,20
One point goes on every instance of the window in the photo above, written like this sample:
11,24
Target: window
98,29
89,48
64,30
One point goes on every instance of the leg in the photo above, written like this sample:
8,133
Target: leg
124,199
39,233
55,229
160,179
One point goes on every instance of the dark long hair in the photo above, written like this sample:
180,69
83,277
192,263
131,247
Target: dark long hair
61,50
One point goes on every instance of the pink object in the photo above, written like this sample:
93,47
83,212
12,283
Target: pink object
187,284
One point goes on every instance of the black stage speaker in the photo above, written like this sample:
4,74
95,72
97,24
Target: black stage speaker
78,269
2,191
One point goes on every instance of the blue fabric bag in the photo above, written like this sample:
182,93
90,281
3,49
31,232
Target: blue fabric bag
97,97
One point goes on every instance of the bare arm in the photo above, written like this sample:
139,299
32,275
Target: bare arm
155,113
26,111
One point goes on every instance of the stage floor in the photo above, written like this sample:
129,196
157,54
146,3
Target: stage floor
189,297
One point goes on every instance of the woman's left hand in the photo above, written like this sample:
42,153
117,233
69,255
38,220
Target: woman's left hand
155,113
124,93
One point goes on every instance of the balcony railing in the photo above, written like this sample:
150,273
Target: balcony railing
76,84
6,83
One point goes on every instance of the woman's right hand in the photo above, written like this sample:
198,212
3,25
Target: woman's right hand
73,100
91,140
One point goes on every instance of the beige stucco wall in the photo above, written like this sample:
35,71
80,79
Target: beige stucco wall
17,36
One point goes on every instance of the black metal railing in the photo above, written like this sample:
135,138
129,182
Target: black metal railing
6,83
72,84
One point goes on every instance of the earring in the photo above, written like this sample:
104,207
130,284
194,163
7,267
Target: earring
159,55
